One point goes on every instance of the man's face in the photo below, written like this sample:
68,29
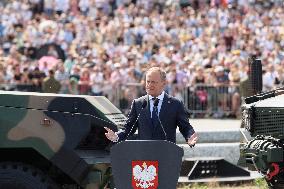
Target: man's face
154,83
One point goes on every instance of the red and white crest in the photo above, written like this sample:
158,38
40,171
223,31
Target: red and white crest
145,174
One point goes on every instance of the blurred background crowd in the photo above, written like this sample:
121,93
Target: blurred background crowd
103,47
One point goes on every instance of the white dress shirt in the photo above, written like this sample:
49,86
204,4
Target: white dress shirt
161,98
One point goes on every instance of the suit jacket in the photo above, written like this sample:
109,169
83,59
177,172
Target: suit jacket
172,114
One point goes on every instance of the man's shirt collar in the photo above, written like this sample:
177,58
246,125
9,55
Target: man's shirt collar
160,97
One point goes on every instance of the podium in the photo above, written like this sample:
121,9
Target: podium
146,164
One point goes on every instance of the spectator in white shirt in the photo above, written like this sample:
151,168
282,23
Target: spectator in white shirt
97,81
269,78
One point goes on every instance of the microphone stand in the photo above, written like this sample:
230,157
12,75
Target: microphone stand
156,102
143,107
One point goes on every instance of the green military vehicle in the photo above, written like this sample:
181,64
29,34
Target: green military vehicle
263,117
52,141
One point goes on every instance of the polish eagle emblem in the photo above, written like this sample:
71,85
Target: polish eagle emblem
145,174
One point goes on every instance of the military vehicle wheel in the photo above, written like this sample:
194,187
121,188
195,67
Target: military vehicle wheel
22,176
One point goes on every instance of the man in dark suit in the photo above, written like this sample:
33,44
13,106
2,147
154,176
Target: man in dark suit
160,114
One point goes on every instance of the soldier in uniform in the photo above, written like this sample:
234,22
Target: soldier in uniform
50,84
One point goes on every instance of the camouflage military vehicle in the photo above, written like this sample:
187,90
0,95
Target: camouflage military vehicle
263,117
51,141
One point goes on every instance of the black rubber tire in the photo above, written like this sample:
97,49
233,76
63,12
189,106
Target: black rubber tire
15,175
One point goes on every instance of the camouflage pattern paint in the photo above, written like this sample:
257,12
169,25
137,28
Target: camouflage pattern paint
57,126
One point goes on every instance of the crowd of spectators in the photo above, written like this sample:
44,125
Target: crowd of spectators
96,46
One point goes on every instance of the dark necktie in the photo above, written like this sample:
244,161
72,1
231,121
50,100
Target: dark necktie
155,120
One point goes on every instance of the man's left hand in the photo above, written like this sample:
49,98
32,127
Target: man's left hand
192,140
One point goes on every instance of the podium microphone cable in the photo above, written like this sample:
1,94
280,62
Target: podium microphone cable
156,102
144,104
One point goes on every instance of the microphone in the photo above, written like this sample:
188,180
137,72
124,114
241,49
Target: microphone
144,104
156,102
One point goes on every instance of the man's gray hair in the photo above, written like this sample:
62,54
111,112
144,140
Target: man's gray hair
163,74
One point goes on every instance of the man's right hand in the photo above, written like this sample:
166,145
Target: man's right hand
112,136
